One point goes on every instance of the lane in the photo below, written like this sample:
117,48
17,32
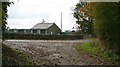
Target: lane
51,52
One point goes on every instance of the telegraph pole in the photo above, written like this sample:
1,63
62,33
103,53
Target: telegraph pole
79,1
61,21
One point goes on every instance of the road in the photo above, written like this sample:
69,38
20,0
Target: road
53,52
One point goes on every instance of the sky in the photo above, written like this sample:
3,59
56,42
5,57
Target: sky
24,14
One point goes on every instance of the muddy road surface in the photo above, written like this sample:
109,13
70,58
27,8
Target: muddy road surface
53,52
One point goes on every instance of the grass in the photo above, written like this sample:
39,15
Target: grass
12,56
95,51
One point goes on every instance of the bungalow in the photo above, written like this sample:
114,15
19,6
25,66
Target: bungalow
39,28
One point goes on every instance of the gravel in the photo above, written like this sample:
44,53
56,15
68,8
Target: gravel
53,52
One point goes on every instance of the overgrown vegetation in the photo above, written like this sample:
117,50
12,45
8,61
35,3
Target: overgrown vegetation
14,57
41,37
96,51
106,22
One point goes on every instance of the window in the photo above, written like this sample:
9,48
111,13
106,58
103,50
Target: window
34,31
42,31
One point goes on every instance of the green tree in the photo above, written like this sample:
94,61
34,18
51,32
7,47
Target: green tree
84,21
4,14
107,21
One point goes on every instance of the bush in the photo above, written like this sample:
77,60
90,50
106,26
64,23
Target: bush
12,56
41,37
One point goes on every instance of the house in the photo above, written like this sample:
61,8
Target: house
40,28
46,28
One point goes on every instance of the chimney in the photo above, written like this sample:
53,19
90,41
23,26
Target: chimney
43,21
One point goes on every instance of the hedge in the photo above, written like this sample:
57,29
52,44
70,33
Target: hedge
41,37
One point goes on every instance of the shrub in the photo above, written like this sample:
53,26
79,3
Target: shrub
41,37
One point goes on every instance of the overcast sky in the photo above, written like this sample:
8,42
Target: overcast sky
26,13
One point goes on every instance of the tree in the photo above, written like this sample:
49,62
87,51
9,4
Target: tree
107,21
85,22
4,14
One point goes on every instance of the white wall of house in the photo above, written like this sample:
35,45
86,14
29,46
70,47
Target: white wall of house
24,31
15,31
31,31
45,31
38,31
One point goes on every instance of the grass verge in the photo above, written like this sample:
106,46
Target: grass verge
95,51
12,56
